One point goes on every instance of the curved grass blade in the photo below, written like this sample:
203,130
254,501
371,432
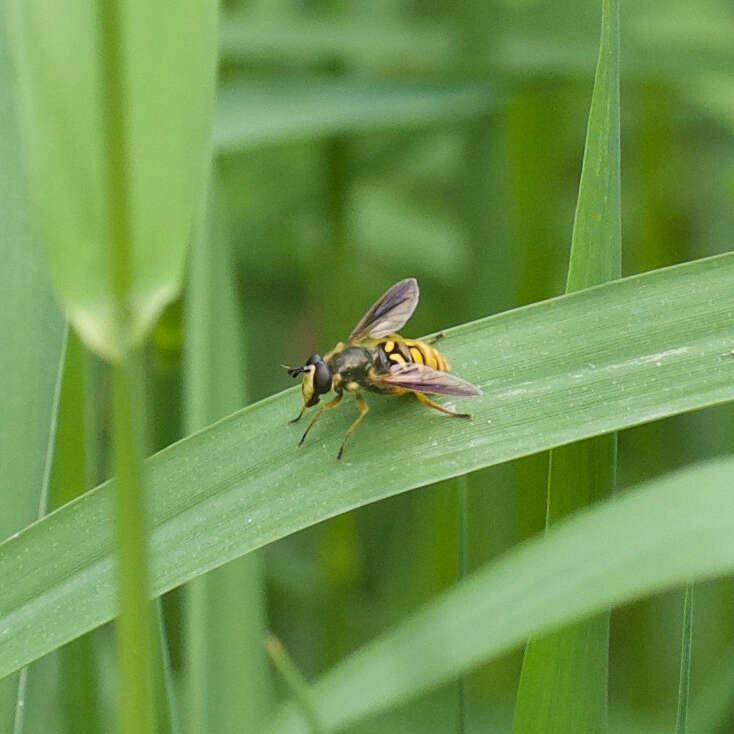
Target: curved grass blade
619,550
577,366
563,683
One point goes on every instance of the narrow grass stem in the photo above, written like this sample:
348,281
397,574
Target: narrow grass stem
134,638
196,616
461,571
168,722
684,683
295,681
134,626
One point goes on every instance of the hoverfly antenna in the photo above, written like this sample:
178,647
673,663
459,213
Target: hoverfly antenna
293,371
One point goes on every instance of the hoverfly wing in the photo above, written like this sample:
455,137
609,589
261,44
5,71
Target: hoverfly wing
422,378
390,312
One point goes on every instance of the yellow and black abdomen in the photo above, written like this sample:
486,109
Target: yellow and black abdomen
399,350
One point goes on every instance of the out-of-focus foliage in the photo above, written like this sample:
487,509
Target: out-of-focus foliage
357,144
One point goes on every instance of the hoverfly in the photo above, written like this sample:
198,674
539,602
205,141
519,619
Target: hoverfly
377,359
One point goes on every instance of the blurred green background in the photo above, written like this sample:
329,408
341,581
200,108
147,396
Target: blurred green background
357,144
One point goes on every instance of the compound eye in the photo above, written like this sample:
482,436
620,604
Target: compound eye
322,378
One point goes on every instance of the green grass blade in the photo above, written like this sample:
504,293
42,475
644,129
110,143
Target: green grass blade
159,105
265,112
597,230
684,684
563,684
164,684
227,677
567,369
31,334
618,550
79,709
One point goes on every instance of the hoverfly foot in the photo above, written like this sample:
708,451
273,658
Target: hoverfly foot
298,417
436,337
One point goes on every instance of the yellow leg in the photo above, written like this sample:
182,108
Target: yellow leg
317,415
363,410
433,339
427,401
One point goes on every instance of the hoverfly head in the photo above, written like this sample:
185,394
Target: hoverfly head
316,378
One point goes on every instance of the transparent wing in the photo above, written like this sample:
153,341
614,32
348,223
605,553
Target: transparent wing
390,312
422,378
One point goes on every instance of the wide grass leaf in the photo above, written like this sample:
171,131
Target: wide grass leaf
115,142
552,373
622,549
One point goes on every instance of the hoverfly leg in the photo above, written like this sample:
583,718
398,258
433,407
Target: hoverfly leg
298,417
317,415
363,410
433,339
427,401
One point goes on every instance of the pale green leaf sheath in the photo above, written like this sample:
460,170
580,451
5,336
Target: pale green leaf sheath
552,373
167,63
563,684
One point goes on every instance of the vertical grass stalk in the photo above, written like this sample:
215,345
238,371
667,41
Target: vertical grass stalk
564,679
77,466
296,683
134,631
134,638
684,683
461,571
